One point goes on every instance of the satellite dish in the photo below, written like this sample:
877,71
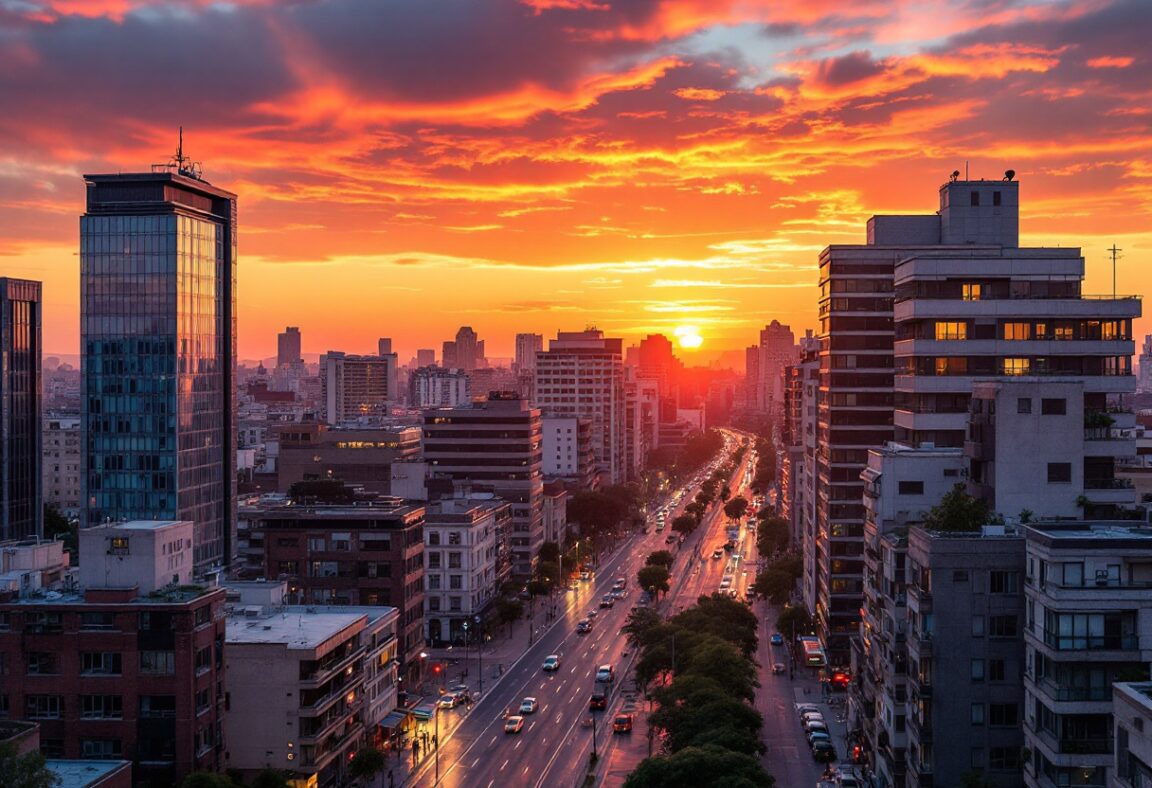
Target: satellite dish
955,175
1009,174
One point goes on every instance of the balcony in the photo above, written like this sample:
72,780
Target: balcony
1096,589
1058,642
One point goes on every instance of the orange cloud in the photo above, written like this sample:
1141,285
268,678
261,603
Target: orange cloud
1109,61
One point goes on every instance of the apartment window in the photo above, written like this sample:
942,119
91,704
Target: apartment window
1017,331
1059,472
977,670
316,544
41,663
1015,366
976,758
1072,573
1003,626
977,713
978,626
158,662
433,560
100,663
204,659
43,707
454,603
975,198
453,537
433,582
1054,406
455,582
342,545
911,488
100,749
101,620
434,603
157,705
289,567
970,291
996,670
960,576
1004,714
454,561
203,700
1024,405
951,330
433,537
1004,758
1003,582
996,199
101,707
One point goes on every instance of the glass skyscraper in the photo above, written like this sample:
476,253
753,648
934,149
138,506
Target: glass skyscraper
21,491
158,329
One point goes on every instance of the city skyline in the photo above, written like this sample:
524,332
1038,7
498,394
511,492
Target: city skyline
643,169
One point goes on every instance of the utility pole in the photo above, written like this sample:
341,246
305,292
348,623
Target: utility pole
1115,252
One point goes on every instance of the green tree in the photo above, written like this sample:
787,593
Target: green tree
736,508
957,511
710,766
367,763
24,771
57,526
723,617
696,509
641,620
794,619
550,551
660,558
654,578
685,523
771,534
597,511
774,585
508,611
548,572
725,664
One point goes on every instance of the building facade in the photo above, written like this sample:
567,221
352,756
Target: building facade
438,387
360,456
567,447
357,387
158,345
21,395
288,347
61,463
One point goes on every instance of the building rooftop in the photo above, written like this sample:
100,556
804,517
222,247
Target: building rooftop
1078,534
81,774
298,629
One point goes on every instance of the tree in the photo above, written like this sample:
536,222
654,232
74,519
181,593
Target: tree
597,512
271,778
774,585
550,551
660,558
710,766
725,493
654,578
367,763
57,526
794,619
736,508
548,573
508,611
641,620
685,523
771,535
696,509
724,663
24,771
723,617
207,780
957,511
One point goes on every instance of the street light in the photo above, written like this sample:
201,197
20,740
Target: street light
436,743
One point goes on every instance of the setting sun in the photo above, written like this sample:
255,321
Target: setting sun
688,337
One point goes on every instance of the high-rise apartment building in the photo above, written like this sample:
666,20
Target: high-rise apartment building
1144,381
288,347
438,387
582,374
158,344
656,359
568,451
384,346
496,445
357,387
61,463
21,496
426,357
466,352
527,346
776,350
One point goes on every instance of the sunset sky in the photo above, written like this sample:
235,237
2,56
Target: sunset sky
405,167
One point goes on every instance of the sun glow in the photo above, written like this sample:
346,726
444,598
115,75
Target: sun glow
688,337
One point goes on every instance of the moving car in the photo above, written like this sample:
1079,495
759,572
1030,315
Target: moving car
777,639
551,662
593,613
606,674
598,701
583,627
718,552
528,706
607,601
447,701
725,584
778,668
514,724
622,723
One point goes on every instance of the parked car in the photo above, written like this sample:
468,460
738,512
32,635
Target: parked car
803,707
815,726
778,668
777,639
447,701
622,723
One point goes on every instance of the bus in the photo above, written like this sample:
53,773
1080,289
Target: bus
813,654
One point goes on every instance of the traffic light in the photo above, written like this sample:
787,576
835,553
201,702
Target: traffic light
436,668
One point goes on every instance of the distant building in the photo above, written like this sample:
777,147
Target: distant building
567,450
21,487
158,344
775,351
1144,381
469,349
61,463
555,512
288,347
527,346
384,346
360,456
357,387
438,387
426,357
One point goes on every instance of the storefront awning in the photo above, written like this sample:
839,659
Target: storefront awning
393,720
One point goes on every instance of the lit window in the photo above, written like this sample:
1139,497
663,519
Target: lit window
970,291
1015,366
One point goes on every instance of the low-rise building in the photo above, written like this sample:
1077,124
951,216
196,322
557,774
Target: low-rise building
1132,712
360,456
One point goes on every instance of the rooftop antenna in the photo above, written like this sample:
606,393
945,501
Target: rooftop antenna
1115,254
183,165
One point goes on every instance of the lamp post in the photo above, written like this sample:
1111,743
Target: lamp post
423,668
436,743
480,653
465,625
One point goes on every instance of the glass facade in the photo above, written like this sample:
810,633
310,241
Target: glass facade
21,496
158,328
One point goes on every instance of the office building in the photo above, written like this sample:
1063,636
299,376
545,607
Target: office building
438,387
656,359
775,351
21,488
1088,625
462,542
465,352
359,456
60,465
582,375
494,445
158,345
384,346
567,447
426,357
527,346
357,388
288,347
130,665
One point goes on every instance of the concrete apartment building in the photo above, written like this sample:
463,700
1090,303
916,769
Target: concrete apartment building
288,347
462,542
359,456
568,455
582,374
60,466
765,364
641,420
1132,711
370,554
495,445
1088,625
355,388
436,387
126,665
308,686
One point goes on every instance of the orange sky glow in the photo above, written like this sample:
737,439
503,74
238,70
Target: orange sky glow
408,167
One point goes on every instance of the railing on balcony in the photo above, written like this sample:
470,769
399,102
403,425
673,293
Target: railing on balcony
1108,484
1060,692
1090,642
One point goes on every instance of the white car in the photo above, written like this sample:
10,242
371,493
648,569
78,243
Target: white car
551,662
528,706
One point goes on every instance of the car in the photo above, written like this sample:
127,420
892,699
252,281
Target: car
819,736
585,575
583,627
617,593
847,781
598,701
725,584
815,727
810,716
803,707
514,724
447,701
622,723
529,706
778,668
823,752
777,639
551,662
605,674
607,601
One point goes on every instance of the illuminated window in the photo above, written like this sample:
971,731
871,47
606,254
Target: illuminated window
970,291
1017,331
1015,366
951,330
118,545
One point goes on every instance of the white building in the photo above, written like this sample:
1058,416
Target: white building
61,463
1144,381
1132,712
435,387
582,374
462,540
1089,624
357,387
147,554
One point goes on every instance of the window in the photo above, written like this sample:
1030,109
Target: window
996,670
41,663
433,582
433,537
101,707
203,700
911,488
1002,626
341,544
1024,405
1006,758
455,582
960,576
1003,582
454,604
454,561
977,670
977,713
1015,366
978,626
101,620
316,544
158,662
1059,472
100,749
204,659
289,567
453,537
1053,407
43,707
157,705
970,291
433,560
975,198
976,758
434,603
1004,714
1017,331
100,663
951,330
996,199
